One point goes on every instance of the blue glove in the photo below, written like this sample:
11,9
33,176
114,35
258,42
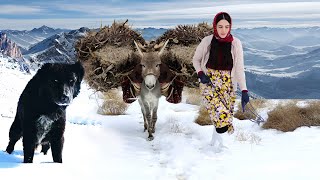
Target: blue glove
204,79
244,99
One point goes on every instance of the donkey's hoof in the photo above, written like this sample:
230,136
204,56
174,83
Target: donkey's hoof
150,138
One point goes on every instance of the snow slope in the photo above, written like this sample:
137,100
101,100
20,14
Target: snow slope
115,147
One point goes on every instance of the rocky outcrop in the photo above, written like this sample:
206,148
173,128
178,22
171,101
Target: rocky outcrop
9,48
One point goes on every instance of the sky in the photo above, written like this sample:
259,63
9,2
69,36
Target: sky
72,14
115,147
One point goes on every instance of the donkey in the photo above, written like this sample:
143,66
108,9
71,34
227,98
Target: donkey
150,87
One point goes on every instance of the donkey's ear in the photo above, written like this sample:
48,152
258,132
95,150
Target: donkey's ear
139,48
163,48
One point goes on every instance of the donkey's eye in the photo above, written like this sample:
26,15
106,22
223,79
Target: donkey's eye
142,65
56,80
71,81
158,65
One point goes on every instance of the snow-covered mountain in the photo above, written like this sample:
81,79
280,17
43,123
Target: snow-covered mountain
273,38
292,76
57,48
282,62
26,38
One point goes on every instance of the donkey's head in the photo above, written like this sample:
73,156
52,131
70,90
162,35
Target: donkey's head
150,63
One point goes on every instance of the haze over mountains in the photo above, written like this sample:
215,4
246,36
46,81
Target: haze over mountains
280,62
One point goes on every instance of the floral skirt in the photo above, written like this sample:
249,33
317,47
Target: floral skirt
219,98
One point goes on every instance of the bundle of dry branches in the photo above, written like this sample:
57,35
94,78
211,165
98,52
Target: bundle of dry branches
108,55
186,35
184,40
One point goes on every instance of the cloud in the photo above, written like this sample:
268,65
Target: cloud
19,9
68,23
193,8
96,10
168,13
163,11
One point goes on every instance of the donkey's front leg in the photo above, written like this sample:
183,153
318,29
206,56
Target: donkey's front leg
142,105
149,120
154,119
144,121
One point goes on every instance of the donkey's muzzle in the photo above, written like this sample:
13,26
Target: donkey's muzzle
150,81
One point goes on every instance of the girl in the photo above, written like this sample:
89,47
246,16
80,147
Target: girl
218,61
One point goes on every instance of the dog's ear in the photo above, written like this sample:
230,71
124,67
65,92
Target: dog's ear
44,67
79,70
44,71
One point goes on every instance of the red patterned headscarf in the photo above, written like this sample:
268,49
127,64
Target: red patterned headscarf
229,37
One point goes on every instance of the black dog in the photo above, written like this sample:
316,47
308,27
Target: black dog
41,111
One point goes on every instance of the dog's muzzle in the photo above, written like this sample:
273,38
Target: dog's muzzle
67,96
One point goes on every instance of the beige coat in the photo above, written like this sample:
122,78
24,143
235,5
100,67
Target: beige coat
201,57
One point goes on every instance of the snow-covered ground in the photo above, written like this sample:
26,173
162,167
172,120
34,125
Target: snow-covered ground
115,147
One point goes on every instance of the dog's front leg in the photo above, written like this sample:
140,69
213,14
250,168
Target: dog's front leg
28,147
56,148
57,139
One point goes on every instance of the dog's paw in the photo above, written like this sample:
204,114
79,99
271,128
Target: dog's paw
9,150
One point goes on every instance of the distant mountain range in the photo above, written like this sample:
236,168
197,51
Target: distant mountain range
25,38
150,34
56,48
280,62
